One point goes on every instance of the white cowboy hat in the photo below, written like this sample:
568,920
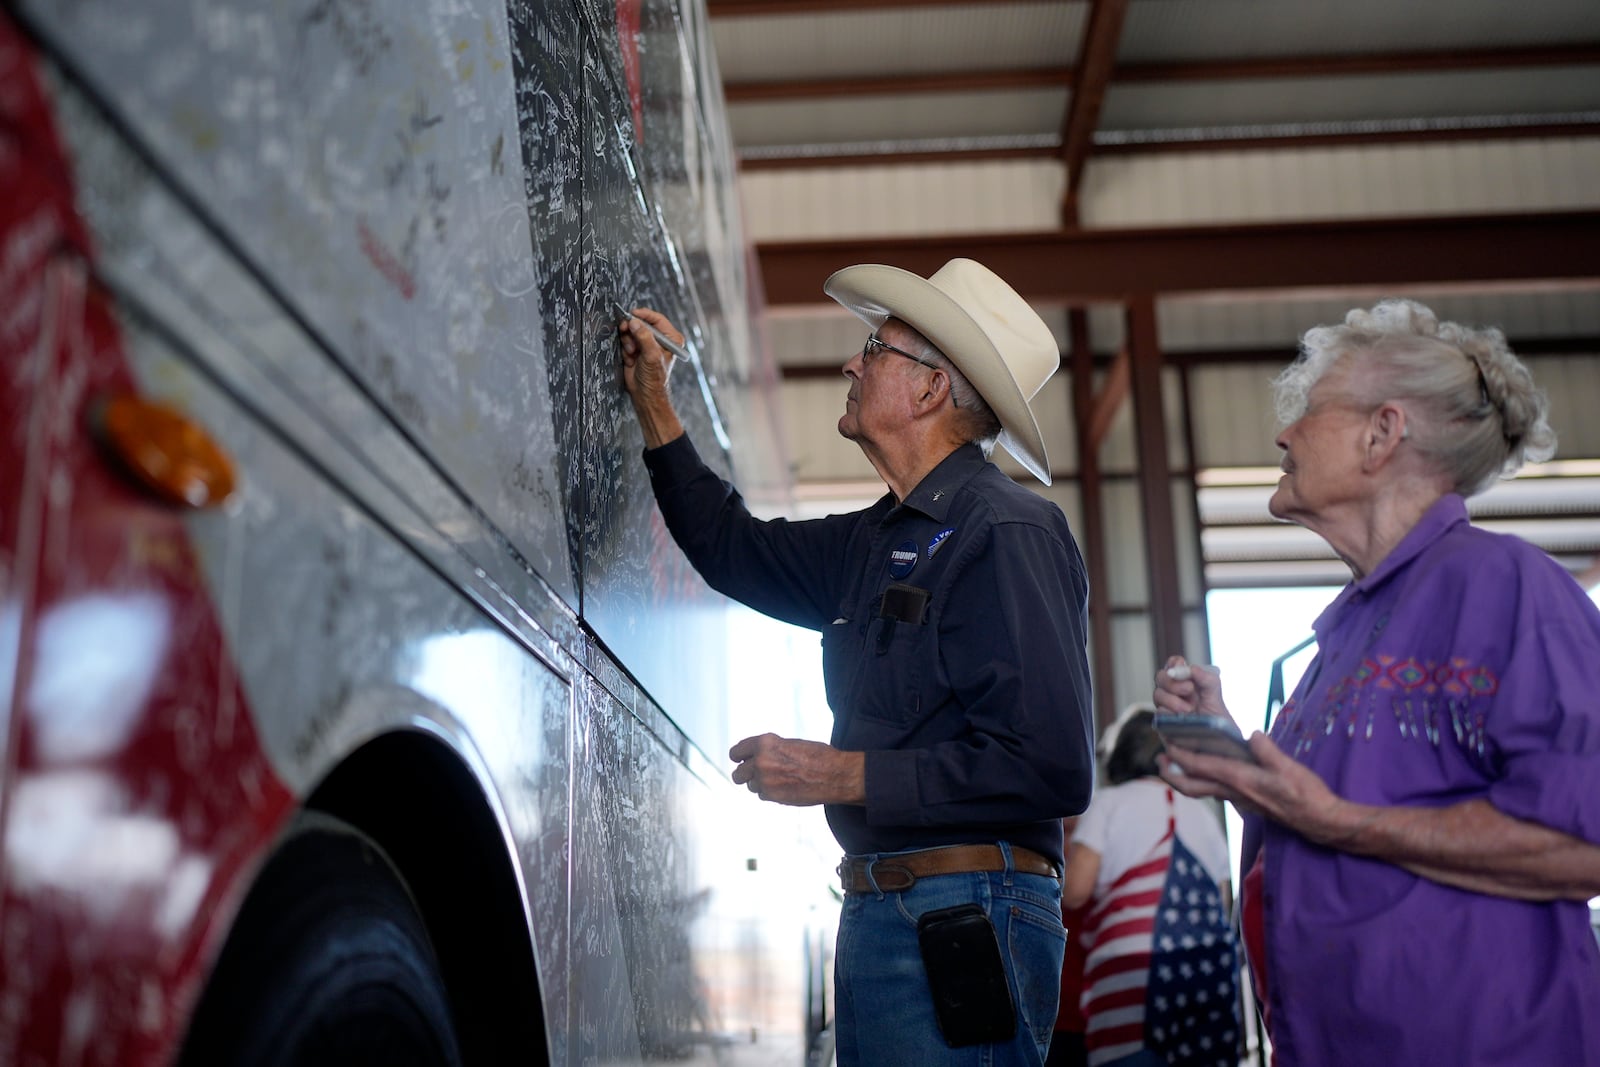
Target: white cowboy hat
989,332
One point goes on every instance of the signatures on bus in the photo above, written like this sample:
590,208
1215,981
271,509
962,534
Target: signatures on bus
357,28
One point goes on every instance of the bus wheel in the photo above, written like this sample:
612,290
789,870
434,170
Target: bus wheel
327,964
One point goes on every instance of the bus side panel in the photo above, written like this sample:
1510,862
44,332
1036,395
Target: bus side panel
142,801
135,791
675,921
548,100
640,595
610,880
304,561
364,160
398,325
451,200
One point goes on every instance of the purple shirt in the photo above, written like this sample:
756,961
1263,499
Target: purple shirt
1465,666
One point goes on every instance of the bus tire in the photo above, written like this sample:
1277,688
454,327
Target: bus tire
327,965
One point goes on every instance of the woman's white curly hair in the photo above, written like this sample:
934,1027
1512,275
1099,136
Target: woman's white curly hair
1471,405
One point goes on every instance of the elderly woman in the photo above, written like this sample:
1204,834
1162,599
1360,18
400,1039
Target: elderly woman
1421,824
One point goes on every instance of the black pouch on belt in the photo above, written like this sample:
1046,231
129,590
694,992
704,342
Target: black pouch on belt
961,954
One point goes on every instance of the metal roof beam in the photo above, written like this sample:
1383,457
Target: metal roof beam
718,9
1280,67
966,81
1081,266
1097,56
1206,143
1324,66
1572,347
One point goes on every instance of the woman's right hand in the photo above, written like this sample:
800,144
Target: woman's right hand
1193,688
1189,687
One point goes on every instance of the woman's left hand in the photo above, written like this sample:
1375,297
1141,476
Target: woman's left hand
1470,845
1275,786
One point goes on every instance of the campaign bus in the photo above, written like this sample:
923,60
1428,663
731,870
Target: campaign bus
357,706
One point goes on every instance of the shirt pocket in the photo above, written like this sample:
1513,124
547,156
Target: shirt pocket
898,662
842,642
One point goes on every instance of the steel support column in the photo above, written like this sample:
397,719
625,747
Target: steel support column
1093,533
1155,482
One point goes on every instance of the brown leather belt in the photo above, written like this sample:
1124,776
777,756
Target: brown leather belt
895,873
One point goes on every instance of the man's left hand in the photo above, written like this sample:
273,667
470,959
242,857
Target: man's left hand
800,773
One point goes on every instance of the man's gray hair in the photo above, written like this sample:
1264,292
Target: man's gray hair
978,421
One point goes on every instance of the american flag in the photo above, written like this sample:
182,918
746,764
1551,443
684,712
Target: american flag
1161,964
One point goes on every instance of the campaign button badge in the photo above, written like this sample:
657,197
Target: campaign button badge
903,559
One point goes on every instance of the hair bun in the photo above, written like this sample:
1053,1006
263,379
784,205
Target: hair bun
1396,316
1522,405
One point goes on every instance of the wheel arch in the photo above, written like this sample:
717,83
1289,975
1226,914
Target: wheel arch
422,804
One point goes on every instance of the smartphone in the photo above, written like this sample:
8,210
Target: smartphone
971,998
1214,735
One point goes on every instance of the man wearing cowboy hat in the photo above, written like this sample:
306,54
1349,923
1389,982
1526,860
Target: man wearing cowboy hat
952,621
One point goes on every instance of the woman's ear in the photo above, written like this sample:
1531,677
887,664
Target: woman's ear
1386,429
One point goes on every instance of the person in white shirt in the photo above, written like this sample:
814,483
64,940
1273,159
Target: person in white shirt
1159,982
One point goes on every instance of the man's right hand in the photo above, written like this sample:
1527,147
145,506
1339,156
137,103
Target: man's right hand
645,366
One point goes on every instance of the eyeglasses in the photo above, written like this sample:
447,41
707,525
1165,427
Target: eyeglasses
869,351
873,345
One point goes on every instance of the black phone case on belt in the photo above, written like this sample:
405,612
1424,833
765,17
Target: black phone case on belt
961,955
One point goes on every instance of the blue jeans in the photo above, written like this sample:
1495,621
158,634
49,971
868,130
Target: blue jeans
882,1002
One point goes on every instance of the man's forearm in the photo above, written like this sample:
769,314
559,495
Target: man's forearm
1474,846
659,423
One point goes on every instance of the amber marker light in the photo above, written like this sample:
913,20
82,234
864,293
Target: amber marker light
166,452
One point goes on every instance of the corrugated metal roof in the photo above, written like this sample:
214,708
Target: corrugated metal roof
895,119
1161,30
876,42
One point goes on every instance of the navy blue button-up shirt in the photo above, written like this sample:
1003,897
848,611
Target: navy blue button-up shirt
968,688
